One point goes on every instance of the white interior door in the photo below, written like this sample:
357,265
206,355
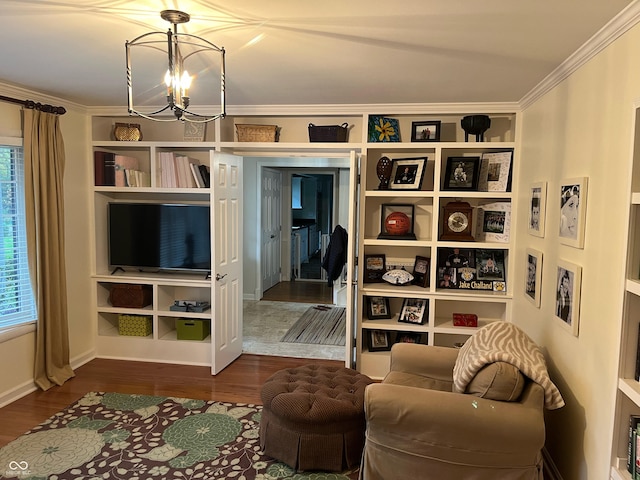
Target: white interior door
271,223
352,232
226,211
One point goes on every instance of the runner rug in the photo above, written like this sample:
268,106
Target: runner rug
118,436
320,325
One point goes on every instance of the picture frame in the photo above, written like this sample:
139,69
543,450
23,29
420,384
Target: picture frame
414,310
407,173
493,222
383,129
408,337
490,264
428,131
378,308
375,266
495,172
421,271
379,340
573,207
386,227
462,173
533,277
537,208
567,304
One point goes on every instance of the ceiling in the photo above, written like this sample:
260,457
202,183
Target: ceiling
281,52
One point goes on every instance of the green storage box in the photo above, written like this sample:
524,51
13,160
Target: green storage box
135,325
193,328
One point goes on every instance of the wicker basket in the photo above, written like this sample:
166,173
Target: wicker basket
328,133
256,133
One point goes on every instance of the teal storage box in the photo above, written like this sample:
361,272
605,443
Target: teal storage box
135,325
193,328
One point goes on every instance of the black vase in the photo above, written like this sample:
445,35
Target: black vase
475,125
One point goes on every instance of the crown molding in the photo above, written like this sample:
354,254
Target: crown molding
604,37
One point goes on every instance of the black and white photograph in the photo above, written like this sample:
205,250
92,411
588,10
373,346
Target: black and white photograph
537,208
414,310
533,276
568,282
462,173
407,173
573,204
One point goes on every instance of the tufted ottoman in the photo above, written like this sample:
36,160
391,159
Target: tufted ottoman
313,417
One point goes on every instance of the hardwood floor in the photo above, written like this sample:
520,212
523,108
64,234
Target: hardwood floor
300,292
240,382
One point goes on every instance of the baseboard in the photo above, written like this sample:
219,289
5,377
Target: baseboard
249,296
550,471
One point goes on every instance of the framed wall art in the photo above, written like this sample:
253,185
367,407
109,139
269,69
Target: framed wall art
414,310
537,208
425,131
573,207
462,173
383,129
378,308
533,278
407,173
379,340
568,284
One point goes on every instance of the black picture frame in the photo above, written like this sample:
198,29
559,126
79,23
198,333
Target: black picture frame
378,308
387,209
462,173
490,264
379,340
414,310
375,267
408,337
407,173
427,131
421,271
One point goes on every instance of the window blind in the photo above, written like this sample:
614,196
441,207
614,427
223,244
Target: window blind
17,304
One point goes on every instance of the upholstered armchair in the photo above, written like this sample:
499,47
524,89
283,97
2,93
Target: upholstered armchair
445,413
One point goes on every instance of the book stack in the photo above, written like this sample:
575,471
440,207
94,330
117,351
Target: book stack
633,450
181,171
115,170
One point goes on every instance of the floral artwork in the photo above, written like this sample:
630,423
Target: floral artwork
383,129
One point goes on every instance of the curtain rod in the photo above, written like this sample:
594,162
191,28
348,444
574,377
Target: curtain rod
37,106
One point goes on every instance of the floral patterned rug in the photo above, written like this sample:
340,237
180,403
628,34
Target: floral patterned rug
119,436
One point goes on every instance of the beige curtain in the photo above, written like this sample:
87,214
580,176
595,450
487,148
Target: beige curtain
44,170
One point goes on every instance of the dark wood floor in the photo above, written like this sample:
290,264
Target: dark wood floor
240,382
300,292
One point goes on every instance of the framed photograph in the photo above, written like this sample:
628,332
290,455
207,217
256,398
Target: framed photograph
490,264
494,222
396,221
421,271
383,129
573,207
407,173
495,172
425,131
568,284
374,267
377,308
533,279
462,173
408,337
379,340
537,208
414,310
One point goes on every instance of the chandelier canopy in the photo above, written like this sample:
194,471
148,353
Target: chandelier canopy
183,68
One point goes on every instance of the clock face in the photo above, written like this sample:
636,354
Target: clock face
457,222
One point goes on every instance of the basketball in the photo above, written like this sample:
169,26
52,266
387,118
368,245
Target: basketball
397,223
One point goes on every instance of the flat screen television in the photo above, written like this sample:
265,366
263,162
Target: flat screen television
159,237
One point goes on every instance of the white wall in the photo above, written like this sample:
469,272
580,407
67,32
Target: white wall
19,352
581,128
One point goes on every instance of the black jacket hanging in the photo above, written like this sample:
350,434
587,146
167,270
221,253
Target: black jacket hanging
336,256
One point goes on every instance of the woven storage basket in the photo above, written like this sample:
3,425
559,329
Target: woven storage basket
256,133
130,296
328,133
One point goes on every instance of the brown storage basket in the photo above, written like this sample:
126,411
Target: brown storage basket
130,295
256,133
328,133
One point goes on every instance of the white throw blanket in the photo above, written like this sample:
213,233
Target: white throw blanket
504,342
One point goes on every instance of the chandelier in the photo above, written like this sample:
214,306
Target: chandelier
166,59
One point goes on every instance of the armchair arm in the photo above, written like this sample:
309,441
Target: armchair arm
455,427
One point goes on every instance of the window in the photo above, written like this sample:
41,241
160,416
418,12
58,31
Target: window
17,304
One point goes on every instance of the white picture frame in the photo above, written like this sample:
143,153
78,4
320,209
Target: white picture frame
533,276
537,208
495,172
493,222
573,207
567,302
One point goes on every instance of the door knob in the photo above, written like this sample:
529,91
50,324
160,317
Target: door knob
273,236
220,277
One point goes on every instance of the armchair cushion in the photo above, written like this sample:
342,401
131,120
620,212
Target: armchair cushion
497,381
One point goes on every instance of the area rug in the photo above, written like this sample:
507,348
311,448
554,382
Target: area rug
119,436
320,325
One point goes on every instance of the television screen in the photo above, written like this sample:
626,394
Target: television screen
149,236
